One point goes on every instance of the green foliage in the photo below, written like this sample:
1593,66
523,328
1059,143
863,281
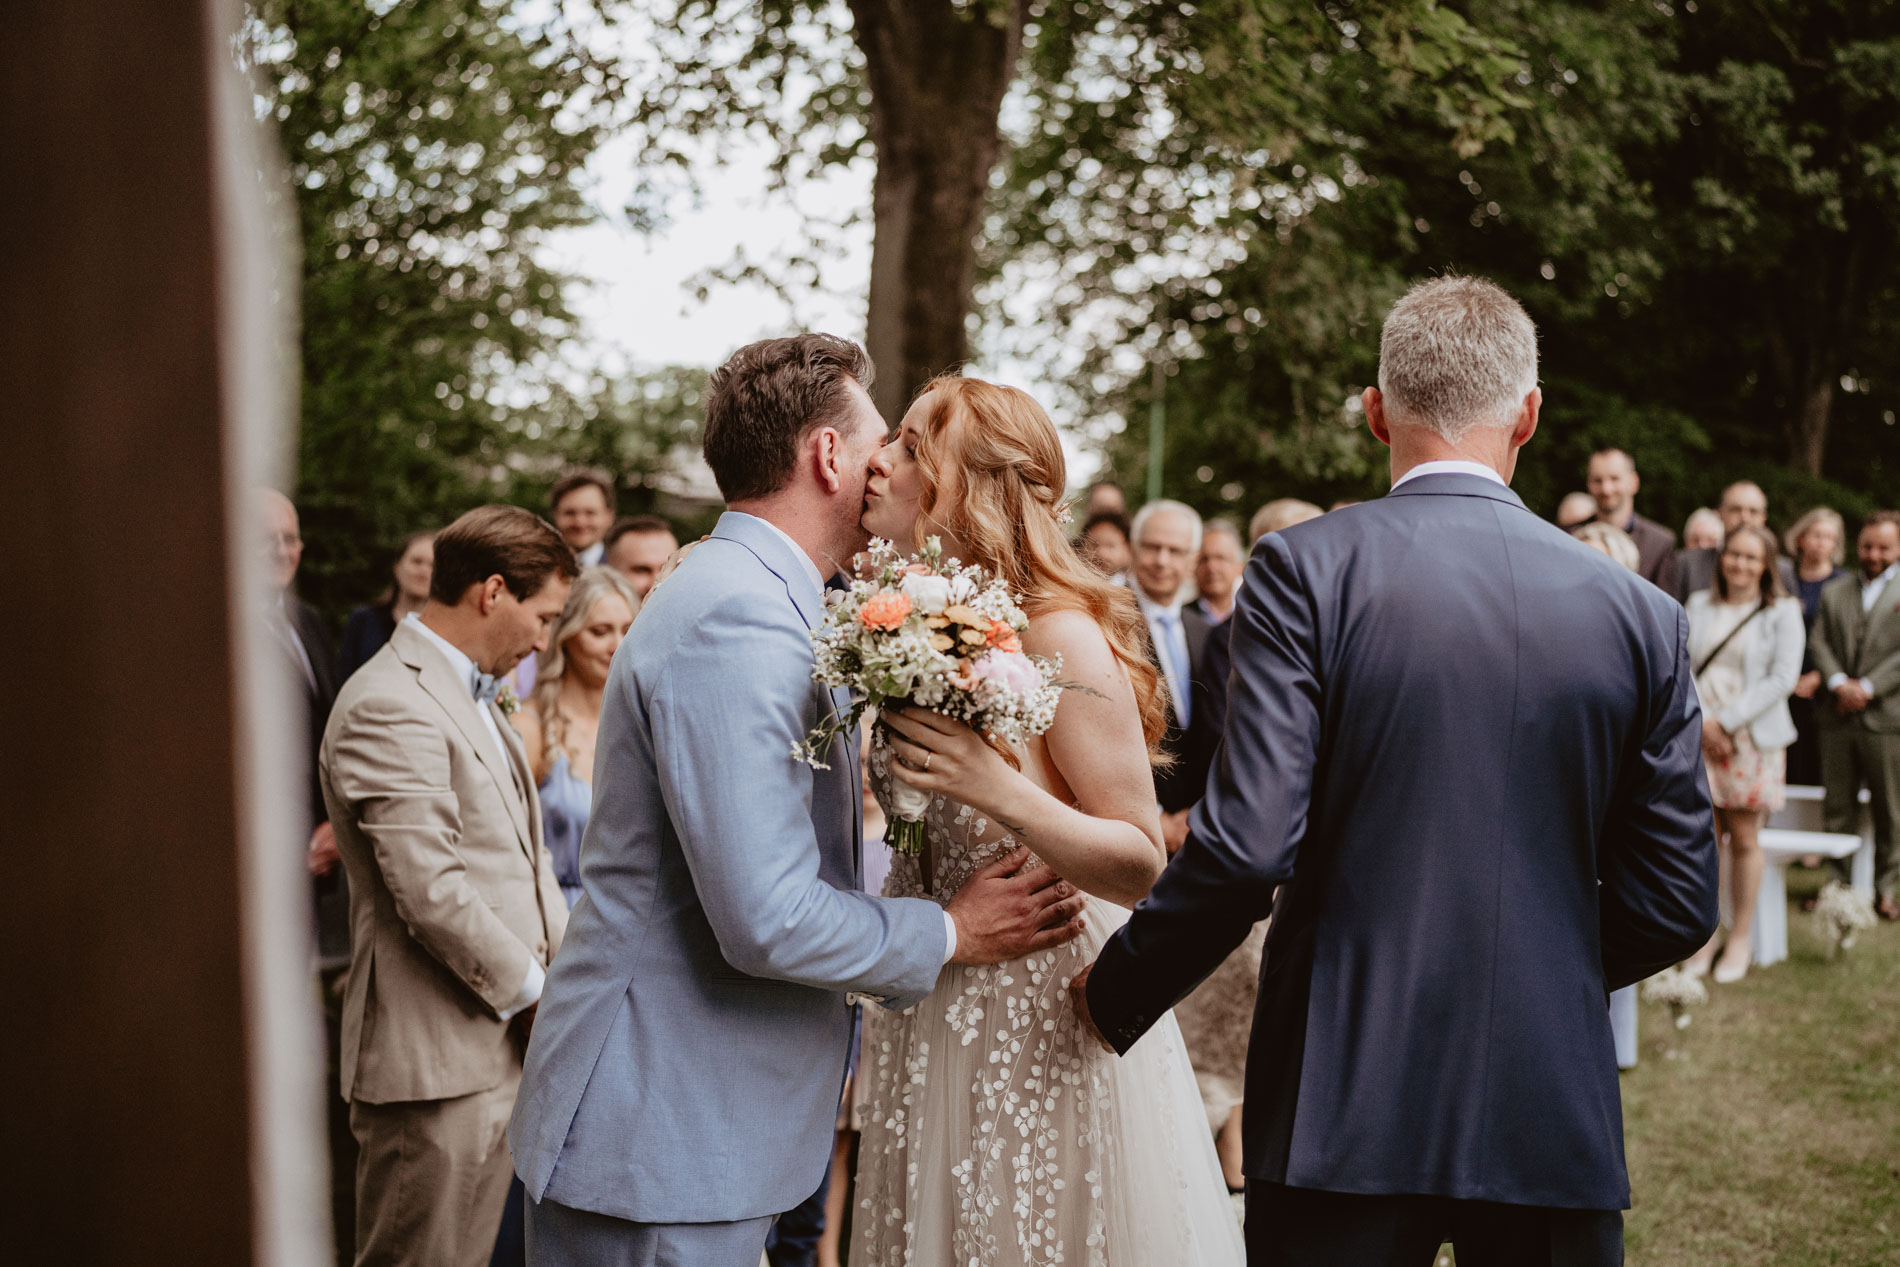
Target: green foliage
1695,206
432,144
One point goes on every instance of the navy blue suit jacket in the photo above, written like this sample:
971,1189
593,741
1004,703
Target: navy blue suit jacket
1467,750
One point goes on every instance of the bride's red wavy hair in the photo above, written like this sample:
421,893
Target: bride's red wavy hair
1004,451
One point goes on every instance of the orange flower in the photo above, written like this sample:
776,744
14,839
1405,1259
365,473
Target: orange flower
1002,637
884,611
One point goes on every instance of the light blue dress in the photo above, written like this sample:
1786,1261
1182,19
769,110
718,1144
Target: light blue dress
565,802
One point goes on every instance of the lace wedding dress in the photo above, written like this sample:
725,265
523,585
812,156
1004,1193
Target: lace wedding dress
996,1134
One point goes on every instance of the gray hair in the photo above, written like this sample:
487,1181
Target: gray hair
1702,515
1456,353
1224,528
1154,508
1611,540
1281,512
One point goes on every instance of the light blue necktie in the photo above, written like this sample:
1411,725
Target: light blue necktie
487,687
1176,654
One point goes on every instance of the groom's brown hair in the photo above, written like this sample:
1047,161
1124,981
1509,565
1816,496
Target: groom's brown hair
763,402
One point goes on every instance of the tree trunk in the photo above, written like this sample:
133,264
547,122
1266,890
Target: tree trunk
938,72
1807,430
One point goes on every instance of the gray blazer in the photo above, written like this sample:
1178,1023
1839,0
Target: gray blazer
1772,647
691,1044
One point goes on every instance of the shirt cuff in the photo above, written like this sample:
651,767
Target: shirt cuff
530,992
1834,681
949,937
1867,685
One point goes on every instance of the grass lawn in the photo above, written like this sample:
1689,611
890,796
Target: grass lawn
1769,1130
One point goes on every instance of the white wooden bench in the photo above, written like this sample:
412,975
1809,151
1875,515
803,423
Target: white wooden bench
1780,846
1802,812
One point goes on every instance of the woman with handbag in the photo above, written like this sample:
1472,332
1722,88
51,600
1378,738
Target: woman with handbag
1746,639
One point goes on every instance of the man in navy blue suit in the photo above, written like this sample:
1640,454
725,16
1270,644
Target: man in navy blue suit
1465,749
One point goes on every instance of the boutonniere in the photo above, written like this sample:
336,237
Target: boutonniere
506,700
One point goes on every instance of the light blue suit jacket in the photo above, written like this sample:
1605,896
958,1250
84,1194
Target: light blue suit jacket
690,1046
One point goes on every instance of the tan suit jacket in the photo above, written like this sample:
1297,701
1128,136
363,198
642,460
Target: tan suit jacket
452,891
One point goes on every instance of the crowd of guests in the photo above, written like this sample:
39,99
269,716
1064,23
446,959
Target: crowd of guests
1796,659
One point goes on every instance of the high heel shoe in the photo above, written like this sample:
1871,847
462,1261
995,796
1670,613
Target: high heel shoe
1726,975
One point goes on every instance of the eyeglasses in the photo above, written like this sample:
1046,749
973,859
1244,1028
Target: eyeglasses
281,540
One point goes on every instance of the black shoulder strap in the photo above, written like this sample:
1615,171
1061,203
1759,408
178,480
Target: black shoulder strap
1709,659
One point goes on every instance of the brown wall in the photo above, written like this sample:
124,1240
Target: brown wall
124,1115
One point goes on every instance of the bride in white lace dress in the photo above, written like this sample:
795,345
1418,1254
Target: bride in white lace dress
995,1132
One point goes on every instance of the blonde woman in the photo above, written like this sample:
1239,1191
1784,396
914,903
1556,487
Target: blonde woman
998,1132
1611,540
562,715
1746,640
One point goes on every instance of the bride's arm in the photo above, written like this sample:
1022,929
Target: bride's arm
1111,845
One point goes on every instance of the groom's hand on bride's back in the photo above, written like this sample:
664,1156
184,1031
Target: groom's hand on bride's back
1003,912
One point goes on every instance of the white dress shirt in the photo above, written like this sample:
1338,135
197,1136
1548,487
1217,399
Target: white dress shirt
818,583
1169,637
592,554
1870,592
1451,466
466,670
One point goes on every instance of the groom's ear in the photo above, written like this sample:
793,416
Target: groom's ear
827,458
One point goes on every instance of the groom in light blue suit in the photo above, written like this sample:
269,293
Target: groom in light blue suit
682,1082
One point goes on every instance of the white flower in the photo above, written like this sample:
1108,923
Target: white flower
929,594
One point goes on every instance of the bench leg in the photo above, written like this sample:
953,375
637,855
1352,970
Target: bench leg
1769,939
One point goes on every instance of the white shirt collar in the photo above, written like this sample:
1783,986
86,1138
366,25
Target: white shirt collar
592,554
811,569
1452,466
1869,588
1149,608
463,667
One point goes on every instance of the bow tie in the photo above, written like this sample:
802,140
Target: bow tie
487,687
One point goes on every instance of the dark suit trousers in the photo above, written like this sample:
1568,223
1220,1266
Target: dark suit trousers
1301,1227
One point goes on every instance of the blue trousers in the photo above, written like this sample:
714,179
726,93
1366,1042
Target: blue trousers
560,1236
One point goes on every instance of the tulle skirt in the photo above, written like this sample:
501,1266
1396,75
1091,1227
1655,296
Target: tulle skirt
996,1134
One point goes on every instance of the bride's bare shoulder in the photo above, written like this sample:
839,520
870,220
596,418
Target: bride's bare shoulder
1078,638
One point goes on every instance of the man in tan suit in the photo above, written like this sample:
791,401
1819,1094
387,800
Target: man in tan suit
454,909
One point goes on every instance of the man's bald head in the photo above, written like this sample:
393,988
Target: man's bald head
280,537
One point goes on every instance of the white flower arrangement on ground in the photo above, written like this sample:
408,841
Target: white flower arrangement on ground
1678,990
1843,912
926,631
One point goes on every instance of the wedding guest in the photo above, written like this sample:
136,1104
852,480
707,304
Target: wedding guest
1613,483
582,506
1575,510
1282,512
1217,570
638,547
1856,646
1610,540
562,716
1746,638
1818,545
297,634
1105,544
1743,504
454,909
369,627
1167,538
1702,530
1105,497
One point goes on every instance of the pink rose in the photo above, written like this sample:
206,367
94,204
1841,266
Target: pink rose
1010,671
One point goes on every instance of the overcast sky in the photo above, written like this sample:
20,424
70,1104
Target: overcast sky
637,306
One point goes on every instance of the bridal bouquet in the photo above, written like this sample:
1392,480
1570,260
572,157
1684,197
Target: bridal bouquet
929,632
